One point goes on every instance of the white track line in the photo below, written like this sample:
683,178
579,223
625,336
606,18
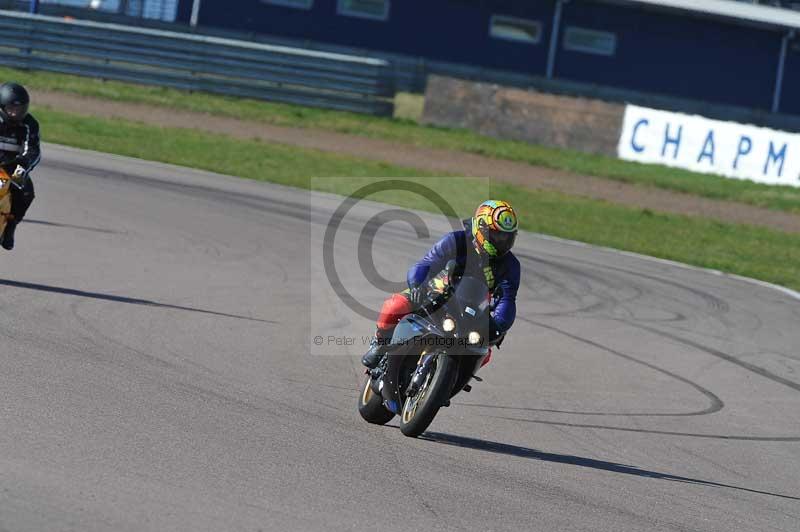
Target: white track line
786,291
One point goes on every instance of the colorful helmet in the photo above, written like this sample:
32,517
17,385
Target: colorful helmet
494,228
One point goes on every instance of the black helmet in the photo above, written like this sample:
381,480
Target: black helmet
14,101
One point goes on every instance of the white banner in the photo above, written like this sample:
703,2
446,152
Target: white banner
703,145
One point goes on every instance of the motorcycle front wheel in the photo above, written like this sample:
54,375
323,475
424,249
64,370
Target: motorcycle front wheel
418,411
370,405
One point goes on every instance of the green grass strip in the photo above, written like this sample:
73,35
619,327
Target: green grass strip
752,251
781,198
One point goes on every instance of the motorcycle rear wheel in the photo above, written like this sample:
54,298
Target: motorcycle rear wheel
370,405
418,411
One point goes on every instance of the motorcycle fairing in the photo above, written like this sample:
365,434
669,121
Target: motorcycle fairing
410,327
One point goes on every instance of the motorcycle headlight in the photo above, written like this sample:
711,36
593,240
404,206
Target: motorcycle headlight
474,338
449,325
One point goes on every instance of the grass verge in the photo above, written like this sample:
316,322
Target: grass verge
752,251
407,131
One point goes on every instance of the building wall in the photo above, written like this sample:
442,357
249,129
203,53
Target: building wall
790,93
446,30
675,55
656,51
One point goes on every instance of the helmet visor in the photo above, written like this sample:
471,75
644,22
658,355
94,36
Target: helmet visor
502,241
16,111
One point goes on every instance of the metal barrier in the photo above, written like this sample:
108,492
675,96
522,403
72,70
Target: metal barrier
196,62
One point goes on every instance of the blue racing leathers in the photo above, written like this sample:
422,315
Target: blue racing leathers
502,274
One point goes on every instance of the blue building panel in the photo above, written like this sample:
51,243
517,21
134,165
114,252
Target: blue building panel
790,93
184,12
674,55
624,44
444,30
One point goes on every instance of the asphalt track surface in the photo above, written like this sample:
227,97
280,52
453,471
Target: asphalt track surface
157,373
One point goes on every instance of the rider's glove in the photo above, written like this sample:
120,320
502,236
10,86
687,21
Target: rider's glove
416,295
496,336
18,177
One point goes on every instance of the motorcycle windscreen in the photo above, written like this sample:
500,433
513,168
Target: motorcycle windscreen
471,301
472,297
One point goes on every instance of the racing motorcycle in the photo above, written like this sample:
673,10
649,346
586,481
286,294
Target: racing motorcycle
434,354
6,181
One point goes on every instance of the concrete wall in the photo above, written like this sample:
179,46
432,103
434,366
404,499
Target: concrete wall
561,121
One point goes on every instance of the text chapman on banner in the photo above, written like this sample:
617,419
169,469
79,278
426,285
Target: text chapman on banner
703,145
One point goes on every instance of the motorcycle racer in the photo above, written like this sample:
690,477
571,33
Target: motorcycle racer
19,153
491,232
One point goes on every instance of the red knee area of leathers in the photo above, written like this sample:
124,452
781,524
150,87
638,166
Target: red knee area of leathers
392,311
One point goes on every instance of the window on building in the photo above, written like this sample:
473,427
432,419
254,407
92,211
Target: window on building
300,4
165,10
515,29
375,9
590,41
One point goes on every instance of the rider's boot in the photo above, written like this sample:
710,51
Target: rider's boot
377,348
8,235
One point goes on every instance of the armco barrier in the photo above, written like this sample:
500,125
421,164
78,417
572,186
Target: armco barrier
410,73
195,62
